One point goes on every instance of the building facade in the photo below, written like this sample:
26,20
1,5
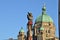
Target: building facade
43,29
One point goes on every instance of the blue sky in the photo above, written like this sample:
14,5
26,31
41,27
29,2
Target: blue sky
13,15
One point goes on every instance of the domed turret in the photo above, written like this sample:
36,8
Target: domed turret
22,30
21,35
44,17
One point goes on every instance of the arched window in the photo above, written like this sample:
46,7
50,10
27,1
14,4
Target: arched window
48,31
41,33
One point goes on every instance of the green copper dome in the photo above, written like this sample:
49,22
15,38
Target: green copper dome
41,28
21,30
44,17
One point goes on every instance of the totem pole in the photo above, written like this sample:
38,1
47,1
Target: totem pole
29,26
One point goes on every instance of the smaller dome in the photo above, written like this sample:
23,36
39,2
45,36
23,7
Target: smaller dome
41,28
22,30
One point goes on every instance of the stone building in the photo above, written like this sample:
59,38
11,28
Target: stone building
43,29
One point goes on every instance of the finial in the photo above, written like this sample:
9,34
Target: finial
44,7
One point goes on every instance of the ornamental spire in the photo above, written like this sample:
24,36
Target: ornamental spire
44,9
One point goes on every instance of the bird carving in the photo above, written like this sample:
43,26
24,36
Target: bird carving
29,16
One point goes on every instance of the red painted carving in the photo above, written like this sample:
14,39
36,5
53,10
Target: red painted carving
30,22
